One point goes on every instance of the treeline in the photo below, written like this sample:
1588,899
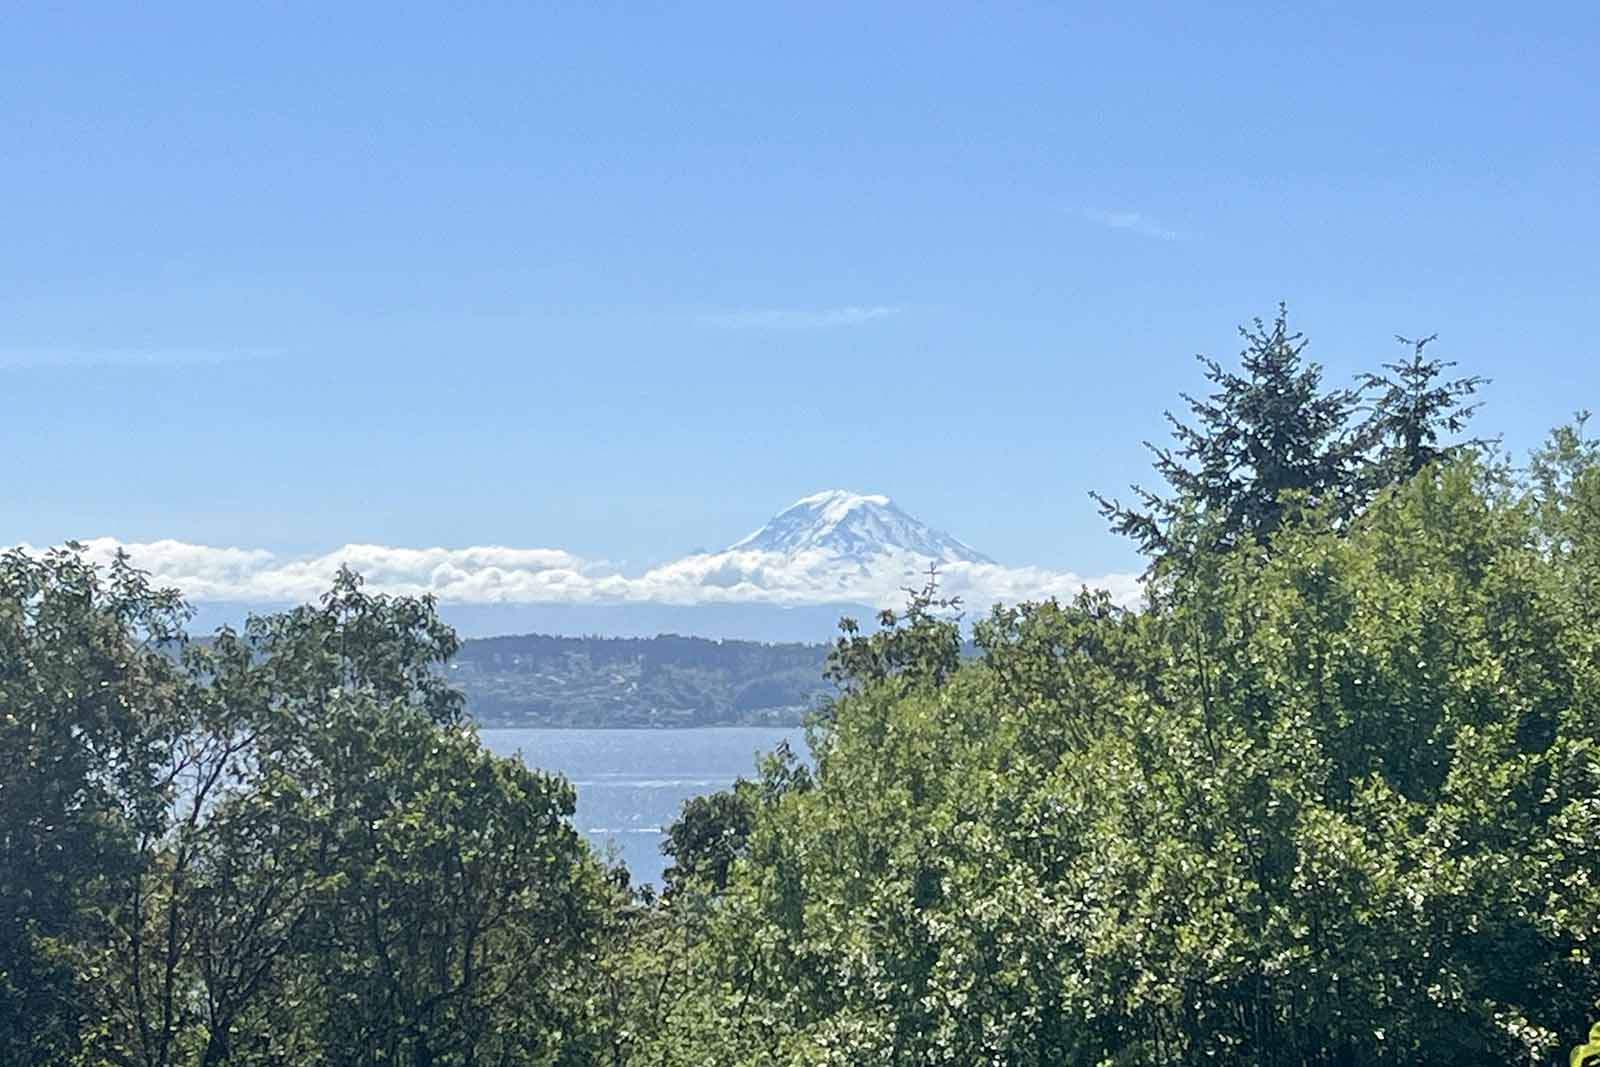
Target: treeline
668,680
1332,797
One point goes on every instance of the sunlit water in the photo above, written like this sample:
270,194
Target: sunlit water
632,783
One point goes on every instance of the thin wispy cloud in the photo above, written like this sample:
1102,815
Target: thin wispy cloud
70,359
1131,222
802,319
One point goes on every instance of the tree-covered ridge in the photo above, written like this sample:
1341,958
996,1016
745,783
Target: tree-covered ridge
668,680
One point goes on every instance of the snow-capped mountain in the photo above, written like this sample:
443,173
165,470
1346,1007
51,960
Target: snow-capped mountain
827,550
857,527
841,547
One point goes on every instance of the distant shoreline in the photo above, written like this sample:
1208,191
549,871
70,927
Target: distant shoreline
641,728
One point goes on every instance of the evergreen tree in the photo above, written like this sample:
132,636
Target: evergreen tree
1269,440
1272,443
1410,412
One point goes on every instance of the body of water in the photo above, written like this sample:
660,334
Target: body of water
632,783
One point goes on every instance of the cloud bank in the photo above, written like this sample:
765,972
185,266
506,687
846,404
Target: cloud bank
500,575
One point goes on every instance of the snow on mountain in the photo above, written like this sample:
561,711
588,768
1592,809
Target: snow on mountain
840,546
856,527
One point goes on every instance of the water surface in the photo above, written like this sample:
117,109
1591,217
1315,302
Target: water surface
632,783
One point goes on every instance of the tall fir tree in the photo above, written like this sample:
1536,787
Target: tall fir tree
1268,440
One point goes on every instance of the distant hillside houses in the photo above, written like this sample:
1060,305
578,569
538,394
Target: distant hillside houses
668,680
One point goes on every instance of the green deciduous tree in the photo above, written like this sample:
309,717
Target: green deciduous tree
279,846
89,703
1332,798
461,923
917,647
1333,803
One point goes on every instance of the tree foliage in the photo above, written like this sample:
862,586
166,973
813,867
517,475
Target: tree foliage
280,846
1411,410
1331,798
1272,443
1335,803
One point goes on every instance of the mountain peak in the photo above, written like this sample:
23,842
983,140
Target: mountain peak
854,526
836,503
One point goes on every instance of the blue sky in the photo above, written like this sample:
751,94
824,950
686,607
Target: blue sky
625,281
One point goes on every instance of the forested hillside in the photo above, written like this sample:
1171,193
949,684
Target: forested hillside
1330,797
540,680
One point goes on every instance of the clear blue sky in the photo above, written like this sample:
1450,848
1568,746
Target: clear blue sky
625,280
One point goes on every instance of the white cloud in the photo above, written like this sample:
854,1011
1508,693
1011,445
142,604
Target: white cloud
801,319
1133,222
815,577
494,574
